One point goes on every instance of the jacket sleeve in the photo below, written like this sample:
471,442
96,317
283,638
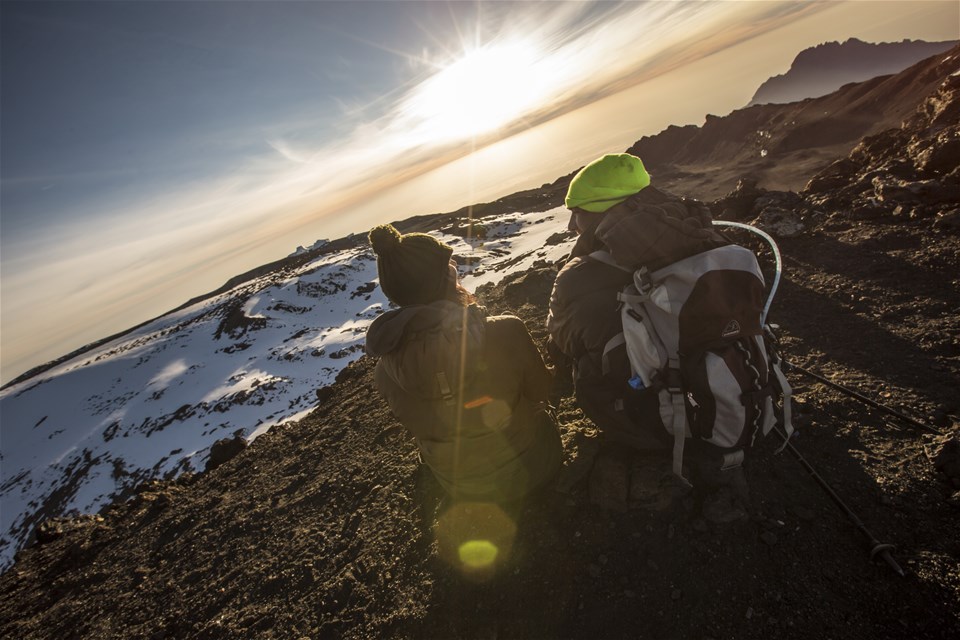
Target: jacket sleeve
536,377
559,320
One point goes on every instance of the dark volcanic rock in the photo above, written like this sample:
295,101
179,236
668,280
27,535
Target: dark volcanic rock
225,449
738,204
914,164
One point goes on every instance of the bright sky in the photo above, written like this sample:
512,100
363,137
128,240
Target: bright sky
152,150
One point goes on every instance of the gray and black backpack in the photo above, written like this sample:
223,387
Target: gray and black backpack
697,347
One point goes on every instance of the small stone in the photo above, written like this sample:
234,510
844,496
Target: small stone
954,500
675,594
670,532
653,565
602,559
629,594
769,538
749,612
700,525
593,570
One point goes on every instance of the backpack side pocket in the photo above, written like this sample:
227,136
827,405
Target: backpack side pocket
724,386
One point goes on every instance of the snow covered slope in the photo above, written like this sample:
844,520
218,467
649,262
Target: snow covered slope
151,403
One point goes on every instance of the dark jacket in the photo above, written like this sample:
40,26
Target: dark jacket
472,390
652,229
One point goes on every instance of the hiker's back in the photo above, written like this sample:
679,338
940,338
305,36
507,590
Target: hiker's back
475,401
585,311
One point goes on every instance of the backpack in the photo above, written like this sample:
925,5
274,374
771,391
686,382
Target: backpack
699,351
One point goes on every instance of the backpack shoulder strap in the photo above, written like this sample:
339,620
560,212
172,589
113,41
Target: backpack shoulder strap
605,257
641,278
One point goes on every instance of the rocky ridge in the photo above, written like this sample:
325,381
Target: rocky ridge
826,67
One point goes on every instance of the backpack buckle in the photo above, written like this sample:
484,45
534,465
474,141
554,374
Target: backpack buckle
671,380
642,281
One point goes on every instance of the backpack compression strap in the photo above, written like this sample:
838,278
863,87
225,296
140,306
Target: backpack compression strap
673,383
679,426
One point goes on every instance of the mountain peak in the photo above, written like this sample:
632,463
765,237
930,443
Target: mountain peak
824,68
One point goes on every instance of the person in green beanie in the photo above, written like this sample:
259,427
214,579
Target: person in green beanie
471,388
615,209
584,311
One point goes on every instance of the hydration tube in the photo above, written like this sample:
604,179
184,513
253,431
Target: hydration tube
776,254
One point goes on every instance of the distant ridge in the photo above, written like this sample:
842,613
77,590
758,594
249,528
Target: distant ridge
825,68
781,145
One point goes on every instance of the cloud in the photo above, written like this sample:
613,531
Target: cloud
129,259
287,150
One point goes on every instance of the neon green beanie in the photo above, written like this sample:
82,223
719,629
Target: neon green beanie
605,182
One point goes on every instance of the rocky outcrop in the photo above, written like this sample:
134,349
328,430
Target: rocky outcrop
912,170
780,213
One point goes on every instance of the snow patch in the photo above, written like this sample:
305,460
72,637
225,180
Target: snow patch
151,403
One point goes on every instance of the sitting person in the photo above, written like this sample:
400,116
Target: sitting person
472,389
615,211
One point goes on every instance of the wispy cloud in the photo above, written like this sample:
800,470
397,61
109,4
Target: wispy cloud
288,151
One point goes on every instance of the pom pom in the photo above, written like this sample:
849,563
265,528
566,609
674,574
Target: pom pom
384,238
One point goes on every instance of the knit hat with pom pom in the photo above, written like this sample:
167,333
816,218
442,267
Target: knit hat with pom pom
413,268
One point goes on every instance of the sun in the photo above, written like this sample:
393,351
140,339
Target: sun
480,92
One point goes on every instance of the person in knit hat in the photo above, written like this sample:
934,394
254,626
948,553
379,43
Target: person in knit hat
614,208
413,268
472,389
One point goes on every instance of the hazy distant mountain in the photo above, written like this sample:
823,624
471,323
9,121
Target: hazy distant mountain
825,68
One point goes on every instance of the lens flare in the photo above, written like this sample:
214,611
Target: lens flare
475,538
478,554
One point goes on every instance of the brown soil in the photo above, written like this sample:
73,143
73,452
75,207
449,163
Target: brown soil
329,527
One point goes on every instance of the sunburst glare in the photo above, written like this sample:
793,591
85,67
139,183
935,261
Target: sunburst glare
482,91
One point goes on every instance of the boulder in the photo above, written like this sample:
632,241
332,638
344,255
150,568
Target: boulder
947,460
225,449
948,221
780,222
